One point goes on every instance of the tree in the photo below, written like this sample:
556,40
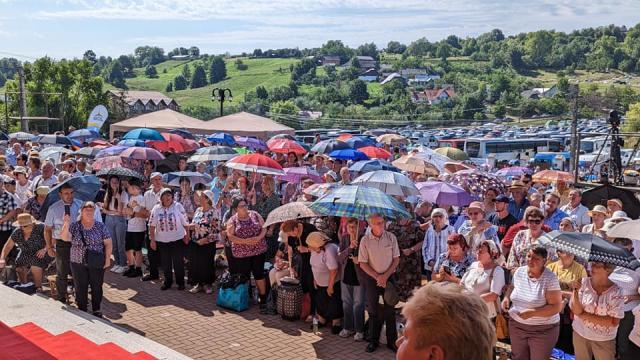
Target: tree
632,122
199,78
169,87
284,111
395,47
115,75
304,71
499,110
127,65
3,79
358,91
180,83
150,71
217,70
90,56
336,48
257,53
443,51
186,72
368,49
194,52
148,55
602,56
420,47
281,93
538,46
261,92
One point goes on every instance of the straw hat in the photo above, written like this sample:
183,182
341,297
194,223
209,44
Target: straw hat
209,194
42,190
618,216
615,201
477,205
317,239
598,209
24,219
517,185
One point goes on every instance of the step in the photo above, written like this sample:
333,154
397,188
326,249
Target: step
33,332
115,351
141,355
14,346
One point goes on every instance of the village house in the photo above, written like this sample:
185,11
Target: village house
364,62
138,102
331,60
391,77
433,96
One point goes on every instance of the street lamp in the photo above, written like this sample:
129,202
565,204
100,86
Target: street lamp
220,94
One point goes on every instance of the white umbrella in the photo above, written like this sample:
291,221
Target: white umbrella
290,211
389,182
626,229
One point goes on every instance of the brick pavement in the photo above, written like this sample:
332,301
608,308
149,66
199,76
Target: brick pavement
193,325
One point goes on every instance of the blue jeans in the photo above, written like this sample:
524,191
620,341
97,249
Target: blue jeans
117,226
353,307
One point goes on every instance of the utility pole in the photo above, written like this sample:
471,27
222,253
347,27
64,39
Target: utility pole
575,141
24,122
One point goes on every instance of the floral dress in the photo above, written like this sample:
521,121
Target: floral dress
458,268
408,274
29,247
33,208
206,224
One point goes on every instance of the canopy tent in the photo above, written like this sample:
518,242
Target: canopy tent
246,124
162,120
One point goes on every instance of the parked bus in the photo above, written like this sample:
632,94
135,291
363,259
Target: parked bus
506,150
455,143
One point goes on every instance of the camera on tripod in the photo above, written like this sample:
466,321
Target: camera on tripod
614,118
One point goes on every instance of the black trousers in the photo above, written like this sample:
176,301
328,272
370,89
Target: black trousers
202,263
63,268
378,314
152,256
171,257
329,307
83,277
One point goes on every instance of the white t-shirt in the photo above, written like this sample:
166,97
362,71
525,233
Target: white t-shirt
628,281
323,262
477,279
530,293
635,333
169,222
609,303
151,199
23,193
136,224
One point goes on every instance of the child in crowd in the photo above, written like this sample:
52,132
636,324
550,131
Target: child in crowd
136,228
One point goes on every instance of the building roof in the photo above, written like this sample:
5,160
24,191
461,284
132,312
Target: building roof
330,58
131,96
391,76
162,120
434,94
246,124
370,72
365,58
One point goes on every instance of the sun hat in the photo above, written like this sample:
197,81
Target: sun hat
517,185
154,175
598,209
42,190
210,195
476,205
19,170
24,219
618,216
615,201
317,239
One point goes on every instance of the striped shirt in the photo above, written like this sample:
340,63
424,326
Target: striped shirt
529,293
435,243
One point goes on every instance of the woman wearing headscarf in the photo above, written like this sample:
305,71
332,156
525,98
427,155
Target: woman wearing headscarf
435,239
34,204
326,268
485,277
410,238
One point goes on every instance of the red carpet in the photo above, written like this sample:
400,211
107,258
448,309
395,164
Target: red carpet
29,341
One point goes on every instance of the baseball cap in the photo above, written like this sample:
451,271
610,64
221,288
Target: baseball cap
502,198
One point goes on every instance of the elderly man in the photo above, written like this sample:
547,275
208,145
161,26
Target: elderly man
319,165
56,246
613,205
553,215
575,210
518,202
345,176
34,165
12,156
151,199
46,178
379,256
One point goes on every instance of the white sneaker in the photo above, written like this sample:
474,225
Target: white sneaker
120,269
115,268
358,336
345,333
196,289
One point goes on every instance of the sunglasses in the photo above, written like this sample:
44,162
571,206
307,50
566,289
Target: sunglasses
535,221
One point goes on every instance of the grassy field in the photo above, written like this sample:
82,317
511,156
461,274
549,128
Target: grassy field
585,78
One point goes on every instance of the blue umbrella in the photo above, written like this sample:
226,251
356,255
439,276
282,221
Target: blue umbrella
3,136
143,134
327,146
83,135
222,138
53,140
131,142
372,165
111,151
360,202
184,133
348,154
21,136
173,178
85,188
357,142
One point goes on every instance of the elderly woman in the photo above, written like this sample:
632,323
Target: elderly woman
453,264
537,300
524,239
34,204
485,277
28,237
489,201
248,245
477,228
205,232
90,255
326,279
597,305
598,215
567,225
410,238
184,196
435,239
266,202
168,235
244,190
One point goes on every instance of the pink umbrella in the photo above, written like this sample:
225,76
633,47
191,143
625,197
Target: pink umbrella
107,162
255,163
295,174
141,153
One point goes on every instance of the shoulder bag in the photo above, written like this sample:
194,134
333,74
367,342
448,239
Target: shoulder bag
91,258
502,328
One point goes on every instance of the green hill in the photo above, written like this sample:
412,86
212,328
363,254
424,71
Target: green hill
269,73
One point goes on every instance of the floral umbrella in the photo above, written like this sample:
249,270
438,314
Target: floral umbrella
285,146
477,182
553,176
415,164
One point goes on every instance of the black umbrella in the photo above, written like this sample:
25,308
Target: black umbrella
85,188
120,172
590,247
184,133
599,196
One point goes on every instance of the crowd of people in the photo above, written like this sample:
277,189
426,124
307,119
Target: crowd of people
487,252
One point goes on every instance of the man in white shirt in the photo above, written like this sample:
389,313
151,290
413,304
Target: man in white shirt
46,178
151,199
576,211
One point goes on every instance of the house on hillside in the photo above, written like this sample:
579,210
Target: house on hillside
130,103
538,93
369,75
433,96
366,62
424,79
331,60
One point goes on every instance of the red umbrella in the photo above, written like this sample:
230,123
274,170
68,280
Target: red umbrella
375,152
100,142
255,163
285,146
174,143
344,137
141,153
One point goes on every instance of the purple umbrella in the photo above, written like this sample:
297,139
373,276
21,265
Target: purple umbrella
111,151
295,174
441,193
140,153
251,143
513,171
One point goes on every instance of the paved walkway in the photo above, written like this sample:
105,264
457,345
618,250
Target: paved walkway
193,325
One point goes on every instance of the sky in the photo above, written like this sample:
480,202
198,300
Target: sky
66,28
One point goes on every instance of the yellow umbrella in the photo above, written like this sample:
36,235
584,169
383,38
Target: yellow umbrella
453,153
392,139
416,165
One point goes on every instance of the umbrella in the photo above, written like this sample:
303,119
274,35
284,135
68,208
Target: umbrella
319,190
243,151
131,142
285,146
600,195
625,229
454,167
100,142
255,163
3,136
173,178
415,164
222,138
375,152
21,136
513,171
551,176
433,158
442,193
327,146
590,247
54,153
295,174
357,142
173,143
251,143
143,134
348,154
120,172
184,133
344,137
282,136
85,188
142,153
372,165
89,151
392,139
291,211
477,182
84,135
359,202
213,153
391,183
107,162
453,153
111,151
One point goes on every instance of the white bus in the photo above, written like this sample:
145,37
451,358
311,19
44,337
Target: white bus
505,150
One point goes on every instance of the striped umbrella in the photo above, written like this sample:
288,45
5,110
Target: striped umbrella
360,202
391,183
255,163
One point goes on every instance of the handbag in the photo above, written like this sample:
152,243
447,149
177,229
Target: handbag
234,298
502,328
91,258
349,276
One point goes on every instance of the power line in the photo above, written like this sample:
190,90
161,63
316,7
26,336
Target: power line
18,55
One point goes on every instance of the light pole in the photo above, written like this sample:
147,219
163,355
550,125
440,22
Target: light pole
220,94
